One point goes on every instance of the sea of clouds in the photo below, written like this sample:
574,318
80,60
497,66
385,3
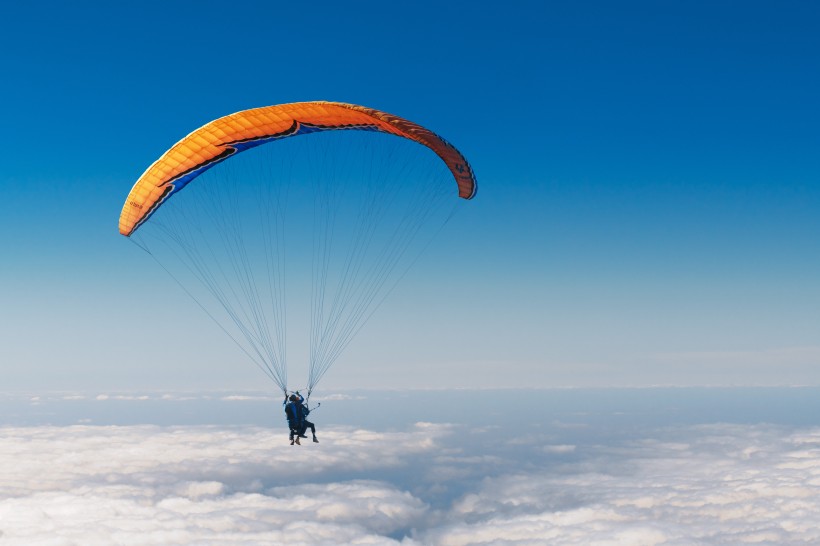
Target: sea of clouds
447,484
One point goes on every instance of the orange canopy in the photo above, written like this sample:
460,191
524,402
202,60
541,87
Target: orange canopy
221,138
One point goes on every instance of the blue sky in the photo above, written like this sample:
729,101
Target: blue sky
648,186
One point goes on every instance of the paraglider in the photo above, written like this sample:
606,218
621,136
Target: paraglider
370,199
296,413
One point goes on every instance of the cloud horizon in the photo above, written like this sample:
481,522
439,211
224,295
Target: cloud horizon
152,484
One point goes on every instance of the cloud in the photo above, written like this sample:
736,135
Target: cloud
562,448
179,397
245,398
427,484
340,397
715,484
154,485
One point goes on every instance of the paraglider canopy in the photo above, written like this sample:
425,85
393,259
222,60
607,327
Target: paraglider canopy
222,138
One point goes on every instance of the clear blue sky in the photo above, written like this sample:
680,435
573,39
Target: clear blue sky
648,171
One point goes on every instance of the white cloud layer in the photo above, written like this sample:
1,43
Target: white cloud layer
717,484
200,485
147,485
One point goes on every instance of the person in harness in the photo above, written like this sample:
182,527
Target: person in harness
307,424
296,412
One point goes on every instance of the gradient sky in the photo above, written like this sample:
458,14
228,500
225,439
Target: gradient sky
648,186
